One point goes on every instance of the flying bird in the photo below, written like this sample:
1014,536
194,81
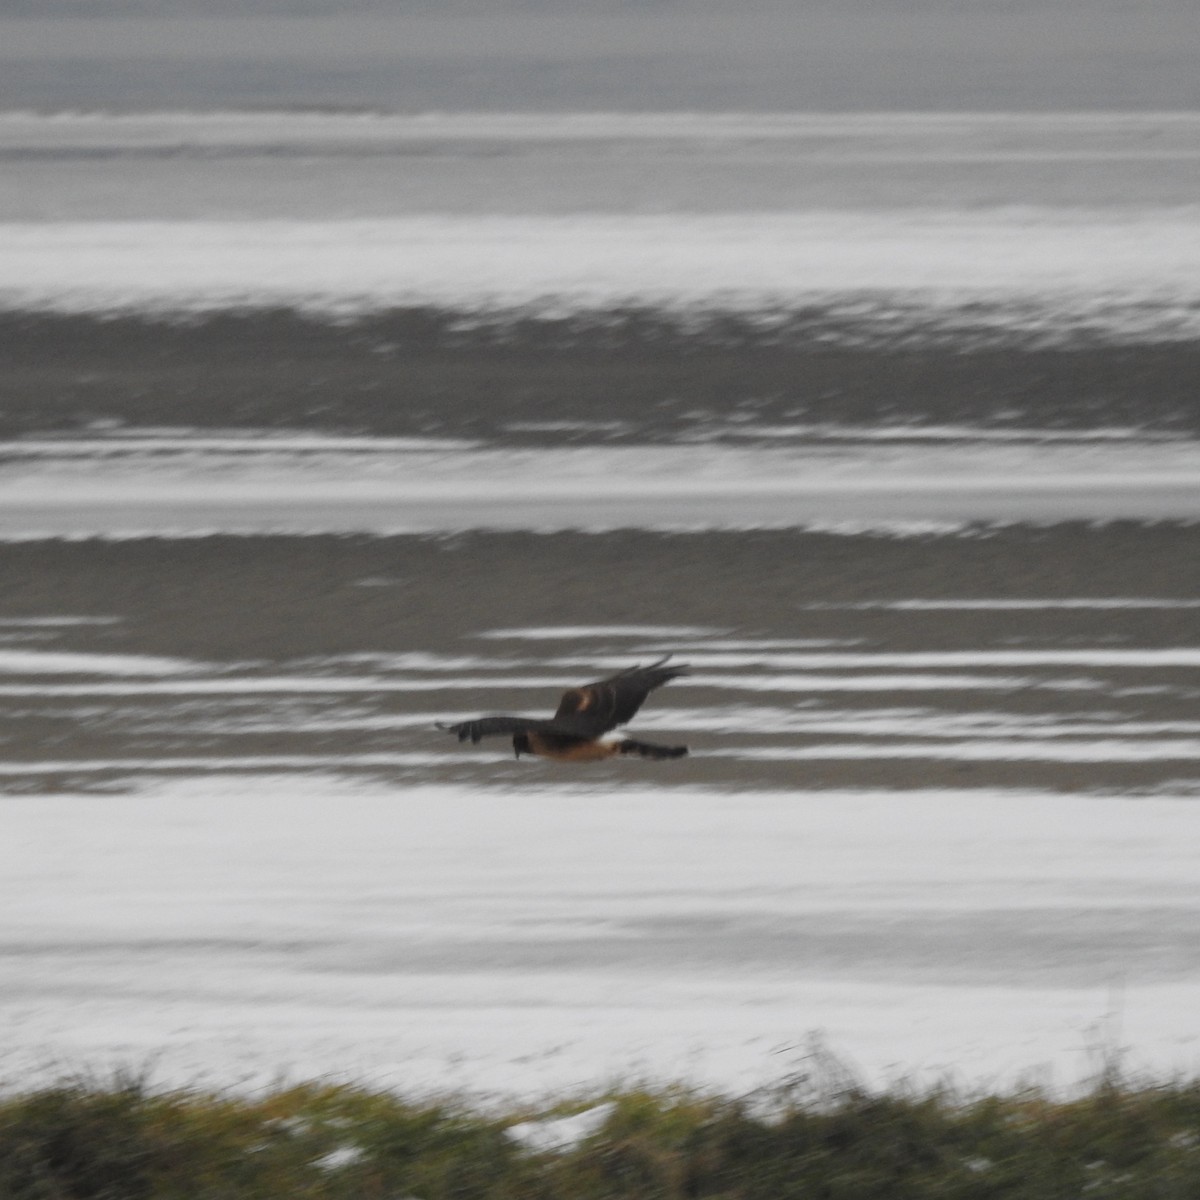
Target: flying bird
584,715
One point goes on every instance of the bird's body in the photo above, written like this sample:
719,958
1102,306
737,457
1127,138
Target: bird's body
584,715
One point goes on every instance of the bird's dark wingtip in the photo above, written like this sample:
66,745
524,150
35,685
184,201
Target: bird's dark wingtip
680,669
675,671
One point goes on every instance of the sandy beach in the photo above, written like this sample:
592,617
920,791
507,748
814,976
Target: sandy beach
319,429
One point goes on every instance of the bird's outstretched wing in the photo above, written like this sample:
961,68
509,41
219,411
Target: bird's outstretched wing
483,727
595,708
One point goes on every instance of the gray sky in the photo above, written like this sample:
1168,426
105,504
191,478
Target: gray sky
706,55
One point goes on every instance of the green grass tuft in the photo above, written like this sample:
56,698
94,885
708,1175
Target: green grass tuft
128,1141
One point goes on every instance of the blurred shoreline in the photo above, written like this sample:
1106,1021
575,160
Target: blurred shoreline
315,165
916,398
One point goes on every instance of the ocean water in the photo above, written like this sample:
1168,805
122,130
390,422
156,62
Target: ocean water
319,428
1056,222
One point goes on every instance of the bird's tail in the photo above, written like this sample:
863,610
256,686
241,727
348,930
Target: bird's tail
650,750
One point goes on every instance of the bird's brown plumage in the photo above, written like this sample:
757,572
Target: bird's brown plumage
583,716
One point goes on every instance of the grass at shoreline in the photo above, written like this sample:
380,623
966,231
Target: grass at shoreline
129,1141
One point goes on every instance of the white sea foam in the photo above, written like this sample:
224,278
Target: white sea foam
753,720
224,764
1015,605
250,685
264,466
244,723
681,645
808,681
1054,270
1095,750
906,432
910,723
932,488
60,662
1100,656
814,681
55,622
418,660
573,632
149,443
233,928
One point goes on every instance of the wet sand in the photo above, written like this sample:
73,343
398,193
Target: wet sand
290,641
232,598
621,377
